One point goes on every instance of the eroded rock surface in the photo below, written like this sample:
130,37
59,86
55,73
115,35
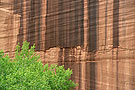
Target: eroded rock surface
95,38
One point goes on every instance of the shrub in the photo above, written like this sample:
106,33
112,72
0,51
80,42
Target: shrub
26,72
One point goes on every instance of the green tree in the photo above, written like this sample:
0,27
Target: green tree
26,72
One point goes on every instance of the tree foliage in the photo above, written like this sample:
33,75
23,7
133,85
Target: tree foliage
26,72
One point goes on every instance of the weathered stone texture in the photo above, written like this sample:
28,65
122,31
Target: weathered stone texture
9,25
95,38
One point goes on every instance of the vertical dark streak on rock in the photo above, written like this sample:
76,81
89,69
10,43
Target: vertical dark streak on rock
20,11
64,25
53,29
106,21
55,21
60,23
92,37
97,24
50,24
53,24
92,76
116,33
66,28
92,72
46,22
27,19
80,76
76,23
92,40
31,24
70,25
115,23
56,25
39,23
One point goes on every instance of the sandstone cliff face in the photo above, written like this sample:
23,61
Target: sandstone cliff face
95,38
9,27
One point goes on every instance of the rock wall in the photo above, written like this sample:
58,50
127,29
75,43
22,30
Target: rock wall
9,27
95,38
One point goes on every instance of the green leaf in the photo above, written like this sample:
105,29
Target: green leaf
26,72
